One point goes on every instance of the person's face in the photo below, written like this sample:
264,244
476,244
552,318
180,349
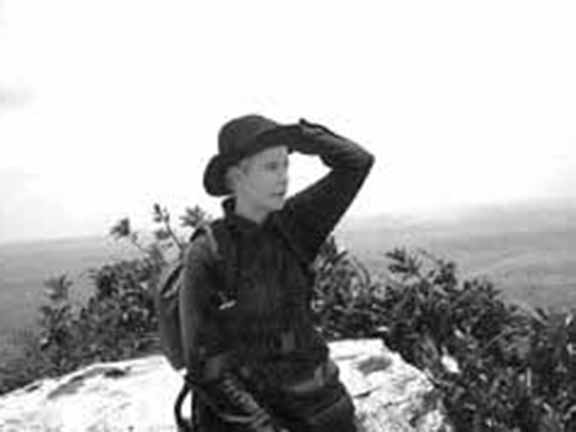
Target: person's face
262,179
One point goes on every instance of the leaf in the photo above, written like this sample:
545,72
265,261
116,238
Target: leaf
121,229
157,213
57,288
161,234
193,217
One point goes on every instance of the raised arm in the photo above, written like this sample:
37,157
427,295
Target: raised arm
313,213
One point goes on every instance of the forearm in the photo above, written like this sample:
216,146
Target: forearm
230,399
213,375
335,151
314,212
220,387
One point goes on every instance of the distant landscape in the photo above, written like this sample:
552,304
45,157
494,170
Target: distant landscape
529,251
24,267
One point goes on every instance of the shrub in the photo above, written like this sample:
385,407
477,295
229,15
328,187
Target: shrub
24,364
118,320
346,300
498,367
515,369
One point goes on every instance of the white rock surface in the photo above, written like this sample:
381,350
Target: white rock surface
138,395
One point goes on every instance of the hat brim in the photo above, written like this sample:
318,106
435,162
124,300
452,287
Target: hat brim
215,172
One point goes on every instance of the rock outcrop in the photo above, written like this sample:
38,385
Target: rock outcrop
138,395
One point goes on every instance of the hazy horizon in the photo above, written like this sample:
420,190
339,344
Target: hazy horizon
528,250
402,219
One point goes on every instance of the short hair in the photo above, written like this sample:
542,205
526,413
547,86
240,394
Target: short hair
244,165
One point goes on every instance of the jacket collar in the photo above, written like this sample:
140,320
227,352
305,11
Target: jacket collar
238,222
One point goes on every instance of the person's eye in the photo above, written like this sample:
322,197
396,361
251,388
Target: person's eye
276,165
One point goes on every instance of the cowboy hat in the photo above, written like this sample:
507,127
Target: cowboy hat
239,138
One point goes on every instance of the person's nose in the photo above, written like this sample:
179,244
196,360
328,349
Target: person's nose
284,178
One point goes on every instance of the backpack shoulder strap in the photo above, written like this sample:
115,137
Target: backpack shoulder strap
227,261
224,258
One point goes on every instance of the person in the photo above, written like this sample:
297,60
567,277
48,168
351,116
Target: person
257,362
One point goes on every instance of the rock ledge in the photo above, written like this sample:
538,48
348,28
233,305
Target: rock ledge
137,395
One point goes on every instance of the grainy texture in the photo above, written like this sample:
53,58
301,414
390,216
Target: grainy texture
137,395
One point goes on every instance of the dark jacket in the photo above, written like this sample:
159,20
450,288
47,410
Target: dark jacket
273,289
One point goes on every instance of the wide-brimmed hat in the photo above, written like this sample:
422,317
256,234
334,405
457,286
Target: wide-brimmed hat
239,138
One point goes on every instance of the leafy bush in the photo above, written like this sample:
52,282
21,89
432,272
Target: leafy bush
498,367
346,298
23,365
118,320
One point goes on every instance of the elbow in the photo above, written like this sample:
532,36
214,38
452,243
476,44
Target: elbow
364,158
370,159
367,161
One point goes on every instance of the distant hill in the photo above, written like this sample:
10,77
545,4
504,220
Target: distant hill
528,250
24,267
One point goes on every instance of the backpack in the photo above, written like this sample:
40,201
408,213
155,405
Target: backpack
166,297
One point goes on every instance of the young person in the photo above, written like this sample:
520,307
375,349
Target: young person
256,360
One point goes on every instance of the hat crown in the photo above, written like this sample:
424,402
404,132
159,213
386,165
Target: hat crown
238,134
239,138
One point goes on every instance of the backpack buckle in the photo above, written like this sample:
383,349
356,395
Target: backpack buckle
228,304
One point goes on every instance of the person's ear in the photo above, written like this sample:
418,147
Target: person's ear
232,177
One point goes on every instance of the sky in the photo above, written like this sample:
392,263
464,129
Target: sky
108,107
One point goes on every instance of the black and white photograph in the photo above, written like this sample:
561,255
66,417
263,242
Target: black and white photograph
295,216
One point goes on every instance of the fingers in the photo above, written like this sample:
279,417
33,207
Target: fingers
308,128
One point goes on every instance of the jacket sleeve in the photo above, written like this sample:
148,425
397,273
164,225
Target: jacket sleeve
207,359
312,214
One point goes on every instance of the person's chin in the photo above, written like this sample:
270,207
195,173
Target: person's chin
277,203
